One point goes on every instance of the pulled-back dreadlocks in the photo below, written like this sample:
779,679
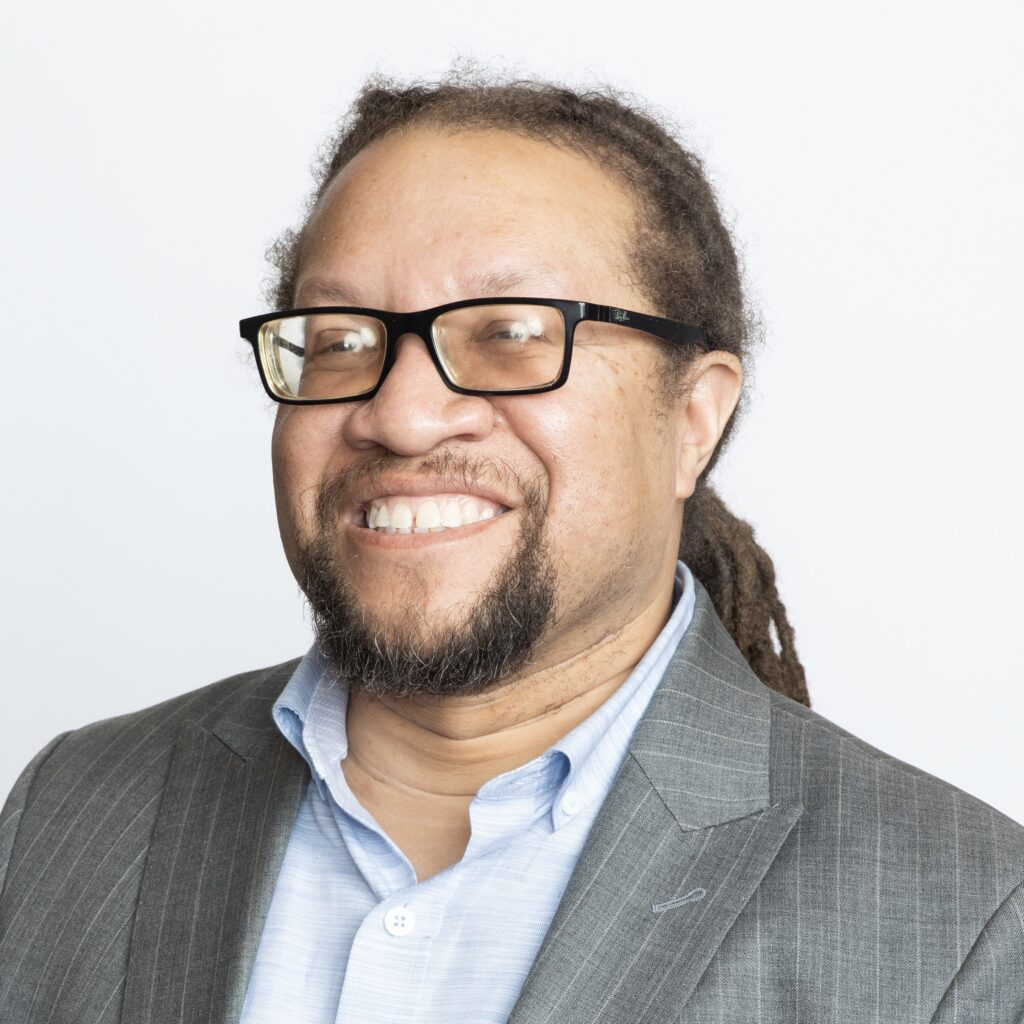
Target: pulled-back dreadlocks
683,260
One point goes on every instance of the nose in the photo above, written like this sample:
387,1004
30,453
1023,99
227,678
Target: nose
415,411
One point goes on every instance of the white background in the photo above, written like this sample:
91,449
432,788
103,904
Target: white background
871,163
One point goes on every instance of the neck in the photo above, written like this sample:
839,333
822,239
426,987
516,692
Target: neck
447,748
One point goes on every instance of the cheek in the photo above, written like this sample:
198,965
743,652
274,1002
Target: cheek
592,456
302,450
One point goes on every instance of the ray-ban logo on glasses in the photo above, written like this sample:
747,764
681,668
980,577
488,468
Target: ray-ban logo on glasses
620,316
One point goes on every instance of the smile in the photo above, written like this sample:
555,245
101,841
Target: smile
436,513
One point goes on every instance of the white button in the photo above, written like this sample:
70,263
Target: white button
570,802
399,921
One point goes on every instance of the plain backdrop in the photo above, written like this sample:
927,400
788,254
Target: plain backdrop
869,159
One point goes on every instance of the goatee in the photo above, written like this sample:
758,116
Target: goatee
489,646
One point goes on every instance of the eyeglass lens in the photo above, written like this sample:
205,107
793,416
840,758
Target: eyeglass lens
482,348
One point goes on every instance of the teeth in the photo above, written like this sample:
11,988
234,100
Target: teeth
428,515
401,516
452,515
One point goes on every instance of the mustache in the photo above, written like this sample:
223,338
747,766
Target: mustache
456,471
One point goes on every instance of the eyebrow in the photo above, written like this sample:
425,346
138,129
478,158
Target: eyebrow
336,291
495,282
501,282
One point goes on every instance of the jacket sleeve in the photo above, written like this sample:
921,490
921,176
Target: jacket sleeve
10,816
989,986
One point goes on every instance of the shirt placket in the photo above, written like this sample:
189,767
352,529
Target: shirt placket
388,965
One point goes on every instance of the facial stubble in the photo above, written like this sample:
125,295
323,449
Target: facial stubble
488,646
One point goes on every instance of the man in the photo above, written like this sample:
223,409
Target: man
536,767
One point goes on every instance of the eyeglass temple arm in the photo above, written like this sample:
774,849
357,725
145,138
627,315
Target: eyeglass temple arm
279,342
668,330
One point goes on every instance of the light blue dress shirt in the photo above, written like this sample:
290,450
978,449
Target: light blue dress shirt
351,935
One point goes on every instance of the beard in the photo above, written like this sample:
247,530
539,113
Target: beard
425,654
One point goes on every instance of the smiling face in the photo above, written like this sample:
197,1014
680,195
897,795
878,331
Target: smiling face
556,515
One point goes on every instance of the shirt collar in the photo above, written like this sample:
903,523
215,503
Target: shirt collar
310,713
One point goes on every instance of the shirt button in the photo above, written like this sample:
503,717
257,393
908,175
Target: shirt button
570,802
399,921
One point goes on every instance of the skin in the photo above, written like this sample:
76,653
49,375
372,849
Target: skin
428,217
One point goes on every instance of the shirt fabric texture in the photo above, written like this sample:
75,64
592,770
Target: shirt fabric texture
352,936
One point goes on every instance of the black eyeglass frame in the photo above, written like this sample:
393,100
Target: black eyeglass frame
421,323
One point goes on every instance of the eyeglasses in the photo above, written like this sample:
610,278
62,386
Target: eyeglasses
494,346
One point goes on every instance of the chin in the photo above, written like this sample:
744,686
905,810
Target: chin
419,622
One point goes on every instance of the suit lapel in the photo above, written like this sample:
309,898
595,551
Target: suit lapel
681,844
230,800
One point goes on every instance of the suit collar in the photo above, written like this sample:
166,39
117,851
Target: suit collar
703,742
247,727
680,846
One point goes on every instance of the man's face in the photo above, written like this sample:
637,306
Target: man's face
587,473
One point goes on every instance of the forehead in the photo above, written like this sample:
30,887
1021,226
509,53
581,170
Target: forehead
427,216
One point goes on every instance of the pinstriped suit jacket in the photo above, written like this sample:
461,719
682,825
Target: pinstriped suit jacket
752,862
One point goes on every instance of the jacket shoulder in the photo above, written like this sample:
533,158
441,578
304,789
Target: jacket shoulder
914,822
122,760
75,836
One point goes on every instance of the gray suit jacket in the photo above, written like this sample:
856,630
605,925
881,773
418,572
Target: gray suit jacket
752,862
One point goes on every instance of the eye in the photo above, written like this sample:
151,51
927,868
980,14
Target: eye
527,329
342,340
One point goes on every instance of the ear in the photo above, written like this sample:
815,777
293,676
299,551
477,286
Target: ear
703,410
